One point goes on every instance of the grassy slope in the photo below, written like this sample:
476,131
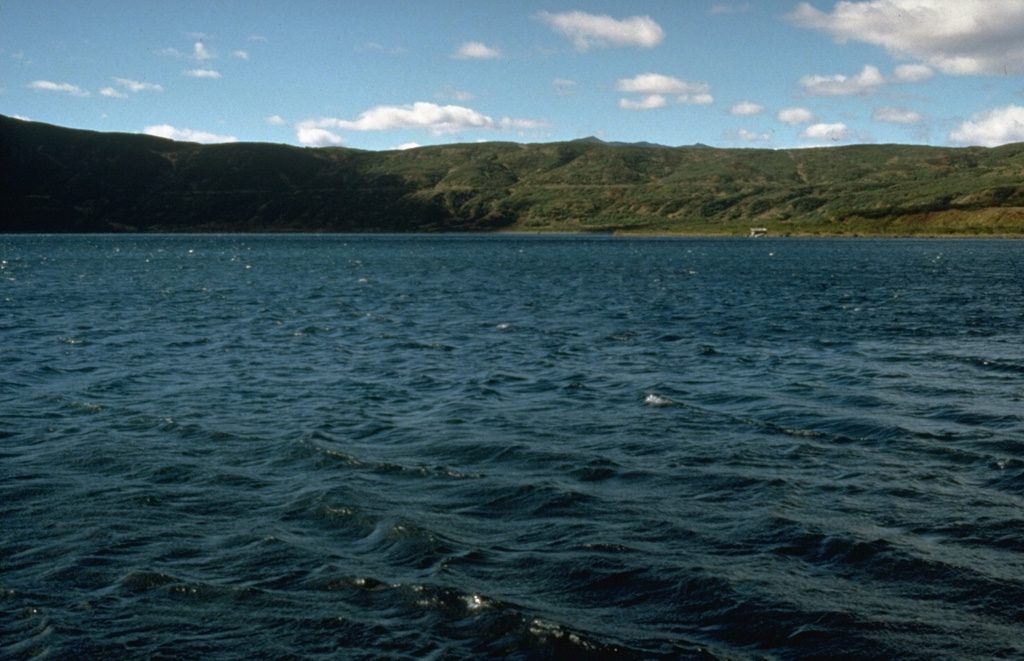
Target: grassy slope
66,180
865,189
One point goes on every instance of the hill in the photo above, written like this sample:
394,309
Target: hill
61,180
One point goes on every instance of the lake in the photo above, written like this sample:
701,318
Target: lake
511,447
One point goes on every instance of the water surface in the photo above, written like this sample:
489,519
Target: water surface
462,447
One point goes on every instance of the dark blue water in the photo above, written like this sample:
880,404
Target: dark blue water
349,447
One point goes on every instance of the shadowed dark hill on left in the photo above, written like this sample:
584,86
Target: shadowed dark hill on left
61,180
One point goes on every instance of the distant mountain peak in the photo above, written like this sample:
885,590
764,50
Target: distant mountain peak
593,140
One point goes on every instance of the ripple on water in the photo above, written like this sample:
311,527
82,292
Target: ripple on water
510,447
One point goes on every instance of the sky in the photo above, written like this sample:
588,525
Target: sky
393,74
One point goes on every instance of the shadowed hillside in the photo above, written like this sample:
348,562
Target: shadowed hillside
65,180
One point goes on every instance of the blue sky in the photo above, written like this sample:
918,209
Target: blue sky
398,73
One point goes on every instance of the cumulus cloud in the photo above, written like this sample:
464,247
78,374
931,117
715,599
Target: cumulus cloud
869,81
834,132
314,136
652,83
187,135
436,119
476,50
794,116
657,85
992,128
746,108
507,123
588,31
649,102
897,116
201,73
911,73
241,54
200,52
276,120
954,36
750,136
128,85
50,86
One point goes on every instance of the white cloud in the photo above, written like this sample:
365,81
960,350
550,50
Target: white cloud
313,136
746,108
897,116
588,31
200,53
241,54
652,83
750,136
649,102
201,73
476,50
656,84
50,86
911,73
276,120
408,145
992,128
507,123
868,81
955,36
438,120
697,99
188,135
137,86
833,132
113,93
794,116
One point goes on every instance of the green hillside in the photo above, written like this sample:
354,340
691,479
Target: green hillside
59,180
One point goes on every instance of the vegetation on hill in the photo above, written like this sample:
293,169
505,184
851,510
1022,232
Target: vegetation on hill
59,180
